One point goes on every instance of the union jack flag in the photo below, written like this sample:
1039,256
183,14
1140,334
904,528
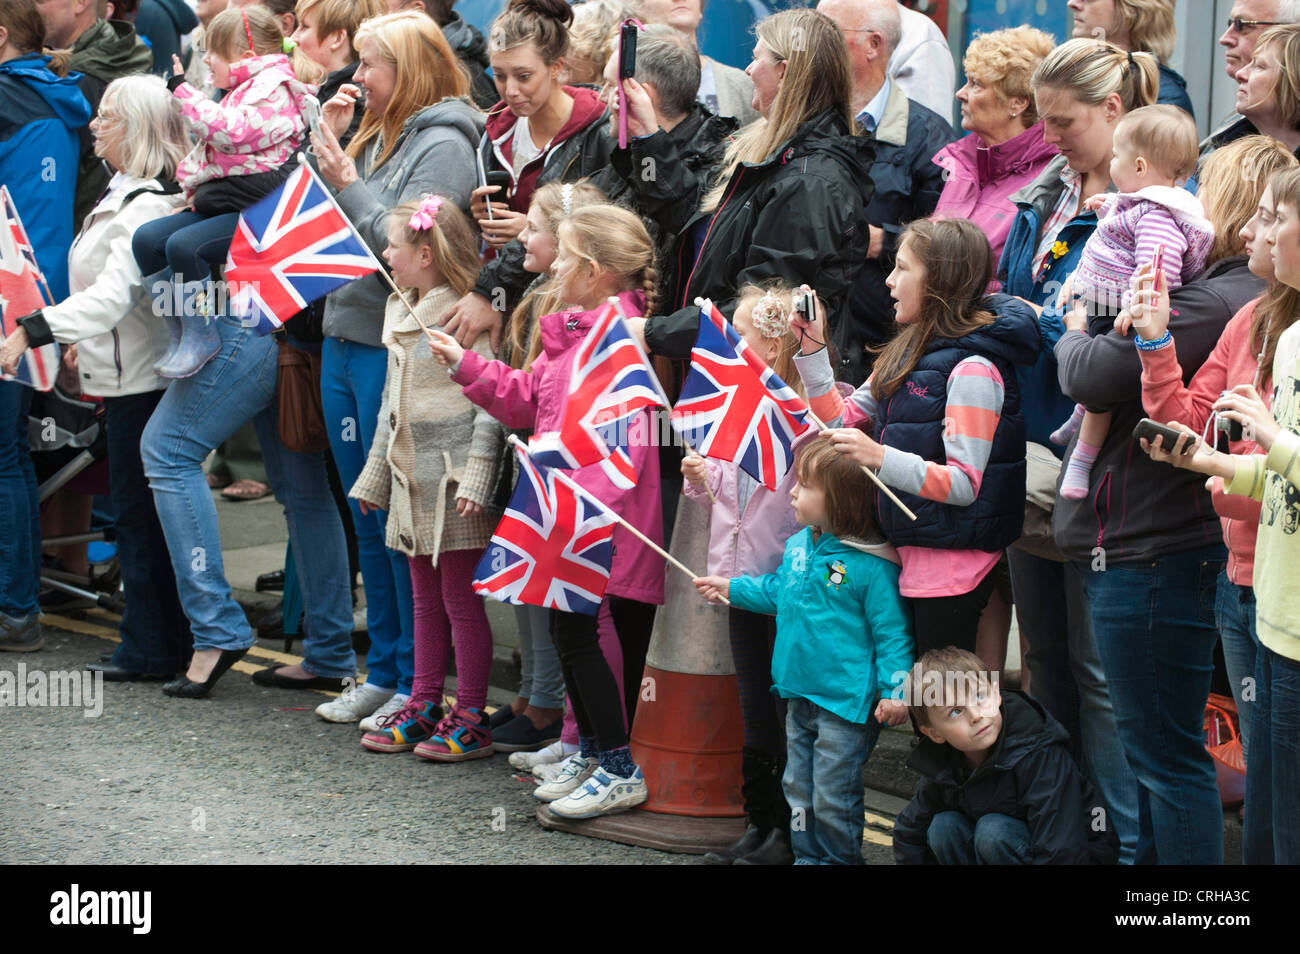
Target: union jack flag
611,382
20,294
552,548
734,407
290,248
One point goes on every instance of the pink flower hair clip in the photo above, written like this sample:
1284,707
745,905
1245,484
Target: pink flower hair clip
422,218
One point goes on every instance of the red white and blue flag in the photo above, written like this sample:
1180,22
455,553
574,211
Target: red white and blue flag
734,407
290,248
610,384
552,548
20,294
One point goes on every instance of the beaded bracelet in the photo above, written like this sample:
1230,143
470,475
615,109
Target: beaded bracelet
1161,342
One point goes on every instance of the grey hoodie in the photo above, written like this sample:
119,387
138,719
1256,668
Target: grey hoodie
434,154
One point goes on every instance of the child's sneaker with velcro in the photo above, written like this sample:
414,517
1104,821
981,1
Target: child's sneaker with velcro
573,771
602,794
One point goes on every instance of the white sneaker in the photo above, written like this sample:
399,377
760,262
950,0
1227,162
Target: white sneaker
379,718
602,794
355,703
556,752
573,772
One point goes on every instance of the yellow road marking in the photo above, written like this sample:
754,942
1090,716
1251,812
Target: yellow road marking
879,820
90,629
877,839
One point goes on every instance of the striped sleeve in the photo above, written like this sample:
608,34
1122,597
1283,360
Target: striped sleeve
824,397
1156,227
975,395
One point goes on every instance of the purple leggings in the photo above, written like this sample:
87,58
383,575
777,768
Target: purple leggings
447,610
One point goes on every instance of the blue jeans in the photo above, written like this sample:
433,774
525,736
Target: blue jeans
823,783
196,415
1234,610
1066,677
1272,833
352,385
20,512
1154,625
993,839
155,633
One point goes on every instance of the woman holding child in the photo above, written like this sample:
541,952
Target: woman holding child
1148,547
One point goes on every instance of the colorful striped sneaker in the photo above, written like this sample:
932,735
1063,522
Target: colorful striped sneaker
463,735
405,729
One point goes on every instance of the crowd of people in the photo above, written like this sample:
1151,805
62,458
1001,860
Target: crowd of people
980,315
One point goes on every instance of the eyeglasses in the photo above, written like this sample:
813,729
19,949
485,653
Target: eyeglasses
1239,25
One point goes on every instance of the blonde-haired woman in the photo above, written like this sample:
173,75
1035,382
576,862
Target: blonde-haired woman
1004,149
1138,26
140,136
417,136
786,202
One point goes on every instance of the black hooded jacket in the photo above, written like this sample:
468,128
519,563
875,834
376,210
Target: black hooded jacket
1029,774
471,49
701,139
797,217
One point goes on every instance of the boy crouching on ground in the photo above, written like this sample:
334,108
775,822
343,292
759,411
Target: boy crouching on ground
998,784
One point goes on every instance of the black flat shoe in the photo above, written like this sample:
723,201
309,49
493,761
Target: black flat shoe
115,673
270,581
182,687
271,677
749,841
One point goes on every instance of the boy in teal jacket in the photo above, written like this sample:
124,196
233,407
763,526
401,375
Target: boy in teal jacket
843,643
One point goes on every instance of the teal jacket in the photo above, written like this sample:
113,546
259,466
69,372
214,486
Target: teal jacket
843,631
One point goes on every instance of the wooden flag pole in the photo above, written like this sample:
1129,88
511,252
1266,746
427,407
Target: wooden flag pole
568,482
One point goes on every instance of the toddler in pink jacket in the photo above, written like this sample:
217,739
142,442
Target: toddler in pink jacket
244,151
1150,219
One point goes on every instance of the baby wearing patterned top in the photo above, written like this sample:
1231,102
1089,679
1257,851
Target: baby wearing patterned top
1150,219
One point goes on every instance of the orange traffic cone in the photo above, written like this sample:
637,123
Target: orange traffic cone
688,733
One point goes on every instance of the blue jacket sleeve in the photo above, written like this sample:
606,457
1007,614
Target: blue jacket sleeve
756,593
890,621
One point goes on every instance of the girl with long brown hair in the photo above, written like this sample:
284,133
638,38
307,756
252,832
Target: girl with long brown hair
945,425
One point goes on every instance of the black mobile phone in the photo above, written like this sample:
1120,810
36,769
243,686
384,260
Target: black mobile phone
627,51
499,177
1151,430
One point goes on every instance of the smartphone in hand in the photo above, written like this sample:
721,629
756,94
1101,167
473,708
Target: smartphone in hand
1169,435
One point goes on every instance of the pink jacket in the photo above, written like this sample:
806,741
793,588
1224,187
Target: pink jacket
534,398
255,128
981,180
1165,398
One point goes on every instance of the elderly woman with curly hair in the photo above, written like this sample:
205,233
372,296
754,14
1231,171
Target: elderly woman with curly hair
1003,150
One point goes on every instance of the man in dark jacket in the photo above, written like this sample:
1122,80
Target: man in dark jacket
907,181
998,784
102,50
163,23
669,70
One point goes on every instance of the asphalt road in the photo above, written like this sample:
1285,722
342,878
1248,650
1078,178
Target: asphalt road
251,775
